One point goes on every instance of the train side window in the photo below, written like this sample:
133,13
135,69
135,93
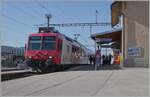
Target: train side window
35,38
67,48
60,45
72,49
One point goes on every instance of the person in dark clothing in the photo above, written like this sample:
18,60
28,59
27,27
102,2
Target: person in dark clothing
90,59
106,60
93,59
103,59
109,59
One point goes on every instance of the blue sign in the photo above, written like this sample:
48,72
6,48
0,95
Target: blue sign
134,51
103,40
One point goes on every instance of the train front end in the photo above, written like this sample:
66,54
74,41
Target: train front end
42,51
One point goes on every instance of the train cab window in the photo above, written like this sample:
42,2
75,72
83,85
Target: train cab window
35,38
34,43
49,38
59,45
49,45
34,46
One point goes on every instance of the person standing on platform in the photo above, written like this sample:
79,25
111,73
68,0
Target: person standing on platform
93,60
90,59
109,59
97,58
103,59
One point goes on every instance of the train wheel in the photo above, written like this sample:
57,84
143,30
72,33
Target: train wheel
42,68
38,70
46,69
51,69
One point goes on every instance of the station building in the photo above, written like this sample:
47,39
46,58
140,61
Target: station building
133,38
135,30
9,55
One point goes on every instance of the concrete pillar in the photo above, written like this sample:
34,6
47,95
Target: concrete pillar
122,54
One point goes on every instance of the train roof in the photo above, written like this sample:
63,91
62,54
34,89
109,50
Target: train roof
48,31
74,42
45,34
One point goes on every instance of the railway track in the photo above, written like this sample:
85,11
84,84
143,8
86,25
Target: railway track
8,69
14,74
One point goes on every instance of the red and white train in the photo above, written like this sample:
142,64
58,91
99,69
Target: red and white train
49,48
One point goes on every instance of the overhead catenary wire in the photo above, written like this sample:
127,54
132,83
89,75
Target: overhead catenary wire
14,20
23,11
62,13
42,6
84,41
14,30
37,13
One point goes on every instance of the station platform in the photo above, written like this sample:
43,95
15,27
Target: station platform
81,81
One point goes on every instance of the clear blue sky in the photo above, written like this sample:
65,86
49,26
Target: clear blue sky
18,18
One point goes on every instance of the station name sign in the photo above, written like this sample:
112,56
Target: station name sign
103,40
135,51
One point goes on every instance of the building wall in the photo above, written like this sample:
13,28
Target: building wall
10,55
136,27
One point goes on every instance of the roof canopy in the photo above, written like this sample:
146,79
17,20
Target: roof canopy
112,36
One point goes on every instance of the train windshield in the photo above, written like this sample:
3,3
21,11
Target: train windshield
44,43
49,38
49,43
48,46
34,43
34,46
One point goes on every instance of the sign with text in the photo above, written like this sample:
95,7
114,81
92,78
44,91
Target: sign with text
135,51
103,40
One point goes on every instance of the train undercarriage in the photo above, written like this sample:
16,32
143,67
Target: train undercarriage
41,66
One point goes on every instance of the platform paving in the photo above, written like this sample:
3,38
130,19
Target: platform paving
81,81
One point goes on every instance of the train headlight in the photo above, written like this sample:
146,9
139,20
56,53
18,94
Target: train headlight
50,57
29,57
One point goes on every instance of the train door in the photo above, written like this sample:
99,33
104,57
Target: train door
59,50
63,51
66,52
